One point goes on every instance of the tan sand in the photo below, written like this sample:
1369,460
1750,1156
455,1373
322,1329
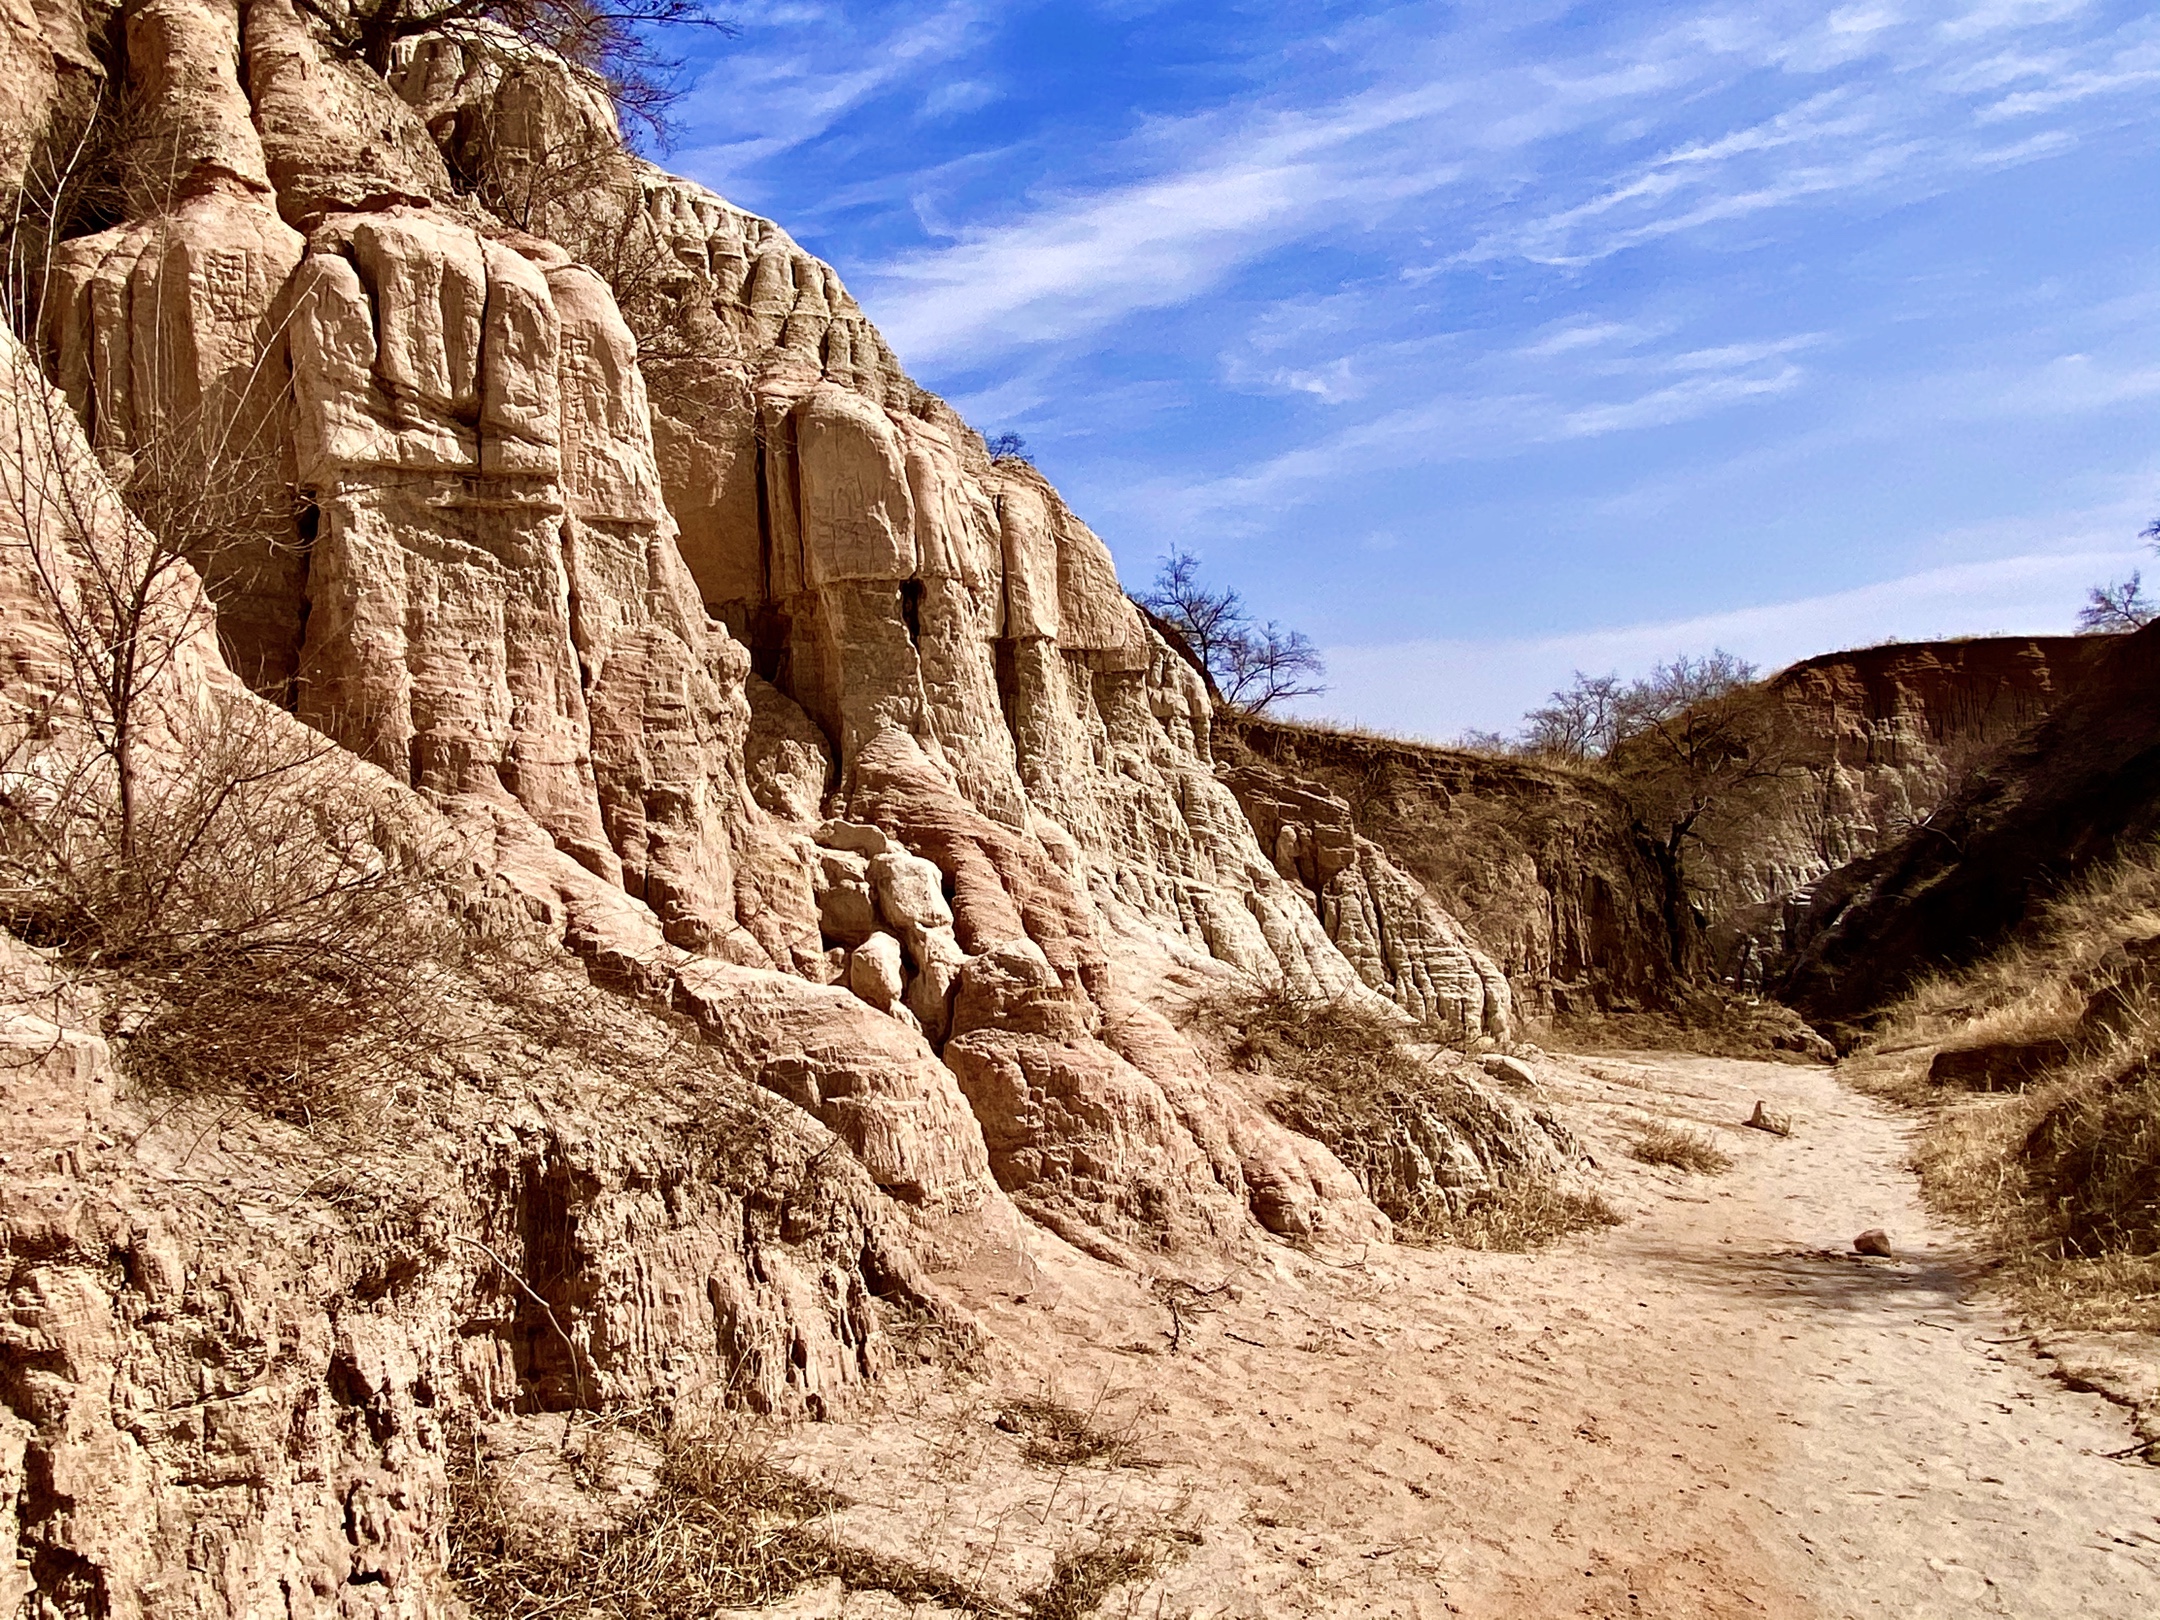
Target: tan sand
1714,1410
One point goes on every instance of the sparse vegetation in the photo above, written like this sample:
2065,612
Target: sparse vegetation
1528,1214
1096,1565
1254,667
1058,1435
719,1526
608,41
2121,605
1679,1149
2063,1176
1438,1152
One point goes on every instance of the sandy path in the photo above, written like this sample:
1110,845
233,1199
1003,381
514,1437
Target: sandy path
1928,1464
1714,1410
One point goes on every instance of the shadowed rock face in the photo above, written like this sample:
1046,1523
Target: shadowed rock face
1542,864
2068,794
1883,737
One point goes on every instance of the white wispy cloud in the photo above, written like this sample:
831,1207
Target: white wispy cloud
1442,687
1655,389
1472,143
816,65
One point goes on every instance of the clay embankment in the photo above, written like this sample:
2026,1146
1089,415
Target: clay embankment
1540,862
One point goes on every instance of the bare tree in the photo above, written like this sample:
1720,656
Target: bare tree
1256,667
1208,619
608,41
2119,606
1268,666
1008,447
1580,723
1698,750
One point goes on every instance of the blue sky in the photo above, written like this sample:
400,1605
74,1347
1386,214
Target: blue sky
1484,343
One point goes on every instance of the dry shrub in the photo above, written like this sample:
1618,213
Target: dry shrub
257,926
1088,1570
2063,1178
1515,1219
1680,1149
1361,1081
720,1527
1057,1435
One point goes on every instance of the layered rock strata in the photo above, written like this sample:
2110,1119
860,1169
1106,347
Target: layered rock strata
1397,936
1878,740
2031,821
1543,866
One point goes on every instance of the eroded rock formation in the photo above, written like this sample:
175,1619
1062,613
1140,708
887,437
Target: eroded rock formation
2032,820
1877,740
705,651
1542,865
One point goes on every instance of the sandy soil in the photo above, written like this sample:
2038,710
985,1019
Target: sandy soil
1716,1409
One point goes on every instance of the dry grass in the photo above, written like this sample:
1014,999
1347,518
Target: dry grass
1679,1149
2063,1179
1524,1215
1380,1098
1097,1564
2028,989
719,1527
676,1524
1057,1435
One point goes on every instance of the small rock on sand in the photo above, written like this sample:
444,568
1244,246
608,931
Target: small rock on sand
1873,1241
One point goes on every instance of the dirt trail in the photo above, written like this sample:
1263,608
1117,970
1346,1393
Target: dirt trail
1714,1410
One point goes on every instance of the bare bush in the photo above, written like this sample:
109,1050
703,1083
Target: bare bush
257,934
194,852
1095,1564
1679,1149
1440,1155
1058,1435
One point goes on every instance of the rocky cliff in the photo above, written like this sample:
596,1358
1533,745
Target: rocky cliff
1540,863
2061,800
698,651
1872,743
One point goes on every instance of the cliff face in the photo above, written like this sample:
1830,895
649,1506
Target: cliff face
1540,864
2037,816
712,654
1874,741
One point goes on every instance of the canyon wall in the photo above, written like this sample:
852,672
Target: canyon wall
1539,862
714,663
2030,821
1872,743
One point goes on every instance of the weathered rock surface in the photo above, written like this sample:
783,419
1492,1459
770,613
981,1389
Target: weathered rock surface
1394,933
2028,822
229,1335
1880,739
707,652
1541,866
